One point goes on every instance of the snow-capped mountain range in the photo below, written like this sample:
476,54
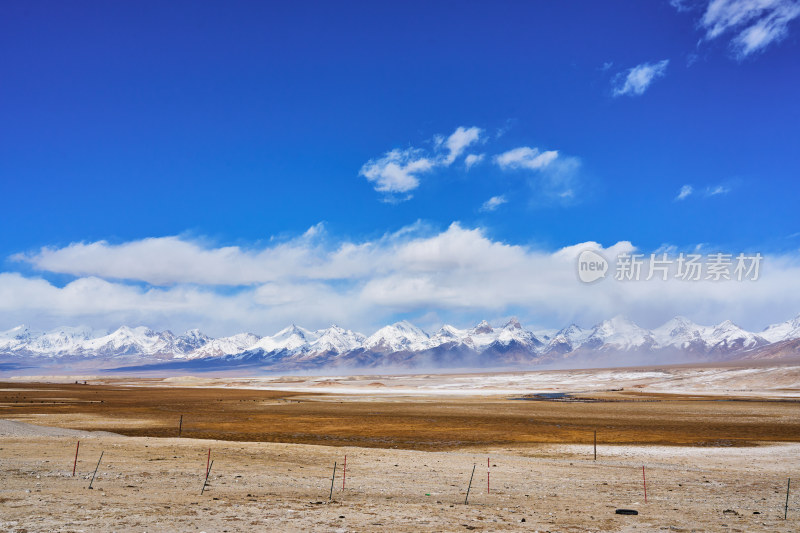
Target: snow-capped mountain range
405,345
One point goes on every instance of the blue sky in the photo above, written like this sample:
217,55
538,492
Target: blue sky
245,124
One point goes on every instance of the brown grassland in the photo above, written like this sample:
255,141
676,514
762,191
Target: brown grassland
404,422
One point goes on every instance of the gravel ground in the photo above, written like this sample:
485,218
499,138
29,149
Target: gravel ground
149,484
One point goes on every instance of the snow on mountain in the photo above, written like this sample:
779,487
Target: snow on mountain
450,335
191,340
234,344
619,333
567,339
484,335
728,337
513,332
292,339
17,337
784,331
482,328
131,341
84,341
14,337
61,341
447,334
545,335
337,340
681,333
507,344
397,337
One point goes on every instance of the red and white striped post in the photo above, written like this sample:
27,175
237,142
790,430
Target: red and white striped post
488,473
75,464
208,461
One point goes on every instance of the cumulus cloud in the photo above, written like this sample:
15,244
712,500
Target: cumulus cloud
685,192
458,141
636,80
398,171
493,203
473,159
752,25
106,305
460,273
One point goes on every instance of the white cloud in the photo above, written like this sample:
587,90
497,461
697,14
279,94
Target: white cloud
525,157
459,272
505,128
473,159
708,192
638,79
555,178
559,181
106,305
685,191
398,171
680,5
458,141
493,203
716,190
752,24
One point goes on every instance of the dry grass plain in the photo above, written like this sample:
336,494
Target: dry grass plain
713,463
406,422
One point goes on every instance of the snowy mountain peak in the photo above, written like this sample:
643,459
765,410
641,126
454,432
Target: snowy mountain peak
783,331
295,345
293,330
406,326
292,338
619,333
399,336
726,325
680,332
22,329
16,336
337,340
450,331
727,336
678,322
235,344
483,327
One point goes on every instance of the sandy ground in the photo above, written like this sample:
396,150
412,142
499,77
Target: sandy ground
150,484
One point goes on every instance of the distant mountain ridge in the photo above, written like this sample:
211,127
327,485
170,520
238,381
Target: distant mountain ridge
405,345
